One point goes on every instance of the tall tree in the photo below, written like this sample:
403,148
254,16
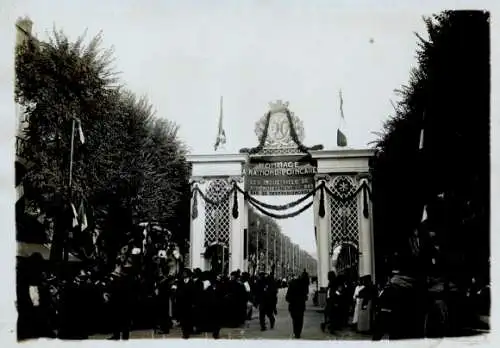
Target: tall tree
448,95
131,166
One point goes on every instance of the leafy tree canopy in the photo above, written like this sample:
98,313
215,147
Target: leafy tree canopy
132,164
447,95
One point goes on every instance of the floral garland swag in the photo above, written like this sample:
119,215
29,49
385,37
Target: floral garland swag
264,207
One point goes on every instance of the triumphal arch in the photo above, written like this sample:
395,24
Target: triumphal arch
336,183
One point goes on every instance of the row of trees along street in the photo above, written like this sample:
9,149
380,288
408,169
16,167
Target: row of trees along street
269,248
448,96
130,168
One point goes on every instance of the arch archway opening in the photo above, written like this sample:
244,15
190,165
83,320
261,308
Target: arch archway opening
345,260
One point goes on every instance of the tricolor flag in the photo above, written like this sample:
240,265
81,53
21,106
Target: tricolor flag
221,134
341,138
80,132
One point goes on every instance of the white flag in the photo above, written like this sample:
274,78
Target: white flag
424,214
83,216
75,215
421,142
341,137
80,132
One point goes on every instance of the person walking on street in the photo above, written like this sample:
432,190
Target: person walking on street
248,291
296,297
266,299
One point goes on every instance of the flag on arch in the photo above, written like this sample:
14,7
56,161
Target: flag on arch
341,137
220,140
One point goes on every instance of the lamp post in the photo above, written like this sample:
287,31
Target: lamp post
70,186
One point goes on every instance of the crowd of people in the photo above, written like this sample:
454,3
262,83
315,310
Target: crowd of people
419,298
413,302
87,303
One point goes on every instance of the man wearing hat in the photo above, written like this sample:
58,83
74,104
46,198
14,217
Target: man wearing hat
186,303
266,298
123,297
296,297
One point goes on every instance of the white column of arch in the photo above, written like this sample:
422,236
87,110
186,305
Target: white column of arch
316,228
366,245
245,226
237,231
322,230
197,235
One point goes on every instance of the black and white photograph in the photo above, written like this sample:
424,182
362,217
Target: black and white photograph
254,170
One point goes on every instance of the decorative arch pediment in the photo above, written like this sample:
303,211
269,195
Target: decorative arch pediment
280,131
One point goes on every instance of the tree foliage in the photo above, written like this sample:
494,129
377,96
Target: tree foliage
132,165
257,236
447,95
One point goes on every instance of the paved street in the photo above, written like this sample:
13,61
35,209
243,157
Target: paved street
282,330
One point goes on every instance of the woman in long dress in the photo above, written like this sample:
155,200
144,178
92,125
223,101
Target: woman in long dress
357,304
366,295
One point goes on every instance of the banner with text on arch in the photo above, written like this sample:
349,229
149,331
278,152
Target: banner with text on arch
280,175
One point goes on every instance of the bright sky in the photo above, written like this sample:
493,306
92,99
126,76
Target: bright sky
185,56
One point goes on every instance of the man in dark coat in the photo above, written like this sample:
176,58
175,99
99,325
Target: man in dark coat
197,277
266,299
32,301
186,292
163,303
296,297
123,295
306,278
213,297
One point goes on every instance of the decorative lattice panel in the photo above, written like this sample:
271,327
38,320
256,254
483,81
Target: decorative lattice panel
217,216
343,216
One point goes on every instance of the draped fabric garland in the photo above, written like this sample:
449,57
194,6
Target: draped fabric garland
287,206
265,207
283,216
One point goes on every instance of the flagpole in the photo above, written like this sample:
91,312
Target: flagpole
70,190
421,151
71,153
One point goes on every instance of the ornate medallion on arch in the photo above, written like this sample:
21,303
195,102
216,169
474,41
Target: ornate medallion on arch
279,135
